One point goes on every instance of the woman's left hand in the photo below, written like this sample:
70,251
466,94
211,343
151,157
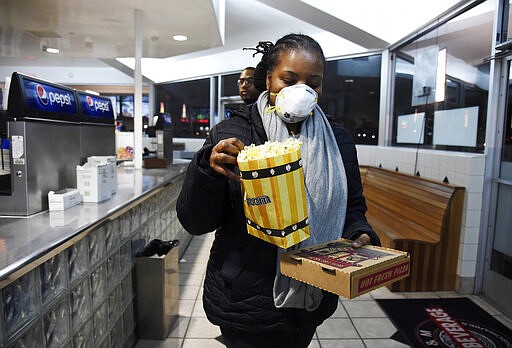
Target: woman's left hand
363,239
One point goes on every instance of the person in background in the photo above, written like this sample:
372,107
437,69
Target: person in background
246,87
245,293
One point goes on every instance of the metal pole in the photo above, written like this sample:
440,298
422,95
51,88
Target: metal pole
137,100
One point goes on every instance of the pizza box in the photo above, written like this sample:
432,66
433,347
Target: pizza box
338,268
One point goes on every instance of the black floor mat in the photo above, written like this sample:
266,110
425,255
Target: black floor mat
446,322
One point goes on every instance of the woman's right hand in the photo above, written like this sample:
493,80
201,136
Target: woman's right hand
223,157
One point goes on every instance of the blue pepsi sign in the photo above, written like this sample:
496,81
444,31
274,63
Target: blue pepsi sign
47,98
95,106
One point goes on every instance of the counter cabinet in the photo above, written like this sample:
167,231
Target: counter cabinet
81,293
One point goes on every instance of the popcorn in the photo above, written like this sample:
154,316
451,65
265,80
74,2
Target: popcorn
269,149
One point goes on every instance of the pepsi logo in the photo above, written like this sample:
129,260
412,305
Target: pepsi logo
98,105
42,95
90,103
53,97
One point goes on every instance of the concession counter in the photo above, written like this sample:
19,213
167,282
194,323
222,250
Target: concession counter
66,277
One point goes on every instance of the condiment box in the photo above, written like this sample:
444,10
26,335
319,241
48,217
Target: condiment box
94,182
63,199
111,163
338,268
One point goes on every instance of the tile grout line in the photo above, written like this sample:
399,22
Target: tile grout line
193,307
203,276
353,324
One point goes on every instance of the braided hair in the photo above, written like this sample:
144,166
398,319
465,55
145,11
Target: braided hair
271,52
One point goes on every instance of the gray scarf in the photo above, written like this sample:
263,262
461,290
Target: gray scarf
326,194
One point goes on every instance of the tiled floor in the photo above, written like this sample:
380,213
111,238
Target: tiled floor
359,322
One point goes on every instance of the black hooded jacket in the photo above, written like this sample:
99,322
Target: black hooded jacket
241,269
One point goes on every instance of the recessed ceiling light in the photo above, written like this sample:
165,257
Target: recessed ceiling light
51,50
180,37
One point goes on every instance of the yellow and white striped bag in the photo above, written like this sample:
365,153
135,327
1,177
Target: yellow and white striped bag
274,192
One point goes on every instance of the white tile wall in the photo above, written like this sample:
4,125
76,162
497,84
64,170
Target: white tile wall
471,218
467,252
473,200
466,268
461,169
470,235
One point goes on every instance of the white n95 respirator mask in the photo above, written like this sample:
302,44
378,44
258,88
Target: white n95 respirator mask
295,103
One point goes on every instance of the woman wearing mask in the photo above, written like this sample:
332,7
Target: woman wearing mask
244,292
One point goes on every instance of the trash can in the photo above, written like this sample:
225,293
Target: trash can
157,279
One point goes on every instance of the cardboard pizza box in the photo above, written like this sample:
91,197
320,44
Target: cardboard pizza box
338,268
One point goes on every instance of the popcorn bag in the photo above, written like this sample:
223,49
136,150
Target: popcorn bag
274,192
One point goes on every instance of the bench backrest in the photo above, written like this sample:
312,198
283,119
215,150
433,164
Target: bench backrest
418,206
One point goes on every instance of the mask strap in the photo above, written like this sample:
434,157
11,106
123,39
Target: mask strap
270,109
277,94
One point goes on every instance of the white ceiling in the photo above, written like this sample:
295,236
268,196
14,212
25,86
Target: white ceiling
104,28
88,30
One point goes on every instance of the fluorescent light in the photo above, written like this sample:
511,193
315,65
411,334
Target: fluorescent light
179,37
441,75
51,50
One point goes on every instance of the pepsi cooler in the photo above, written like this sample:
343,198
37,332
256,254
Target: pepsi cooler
51,129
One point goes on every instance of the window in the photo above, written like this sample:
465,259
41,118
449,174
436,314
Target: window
228,85
126,103
351,94
188,103
441,80
229,96
124,112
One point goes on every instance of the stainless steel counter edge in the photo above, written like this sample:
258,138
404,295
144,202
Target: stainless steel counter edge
23,240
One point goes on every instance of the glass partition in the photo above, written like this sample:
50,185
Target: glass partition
351,94
444,75
188,103
228,85
229,95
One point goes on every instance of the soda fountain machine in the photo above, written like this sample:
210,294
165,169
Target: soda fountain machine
50,129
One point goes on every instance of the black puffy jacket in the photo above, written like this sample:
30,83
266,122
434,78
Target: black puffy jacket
241,269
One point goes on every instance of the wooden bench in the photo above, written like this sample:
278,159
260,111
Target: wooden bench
420,216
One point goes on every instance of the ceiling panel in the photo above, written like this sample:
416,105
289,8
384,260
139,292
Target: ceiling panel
105,28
